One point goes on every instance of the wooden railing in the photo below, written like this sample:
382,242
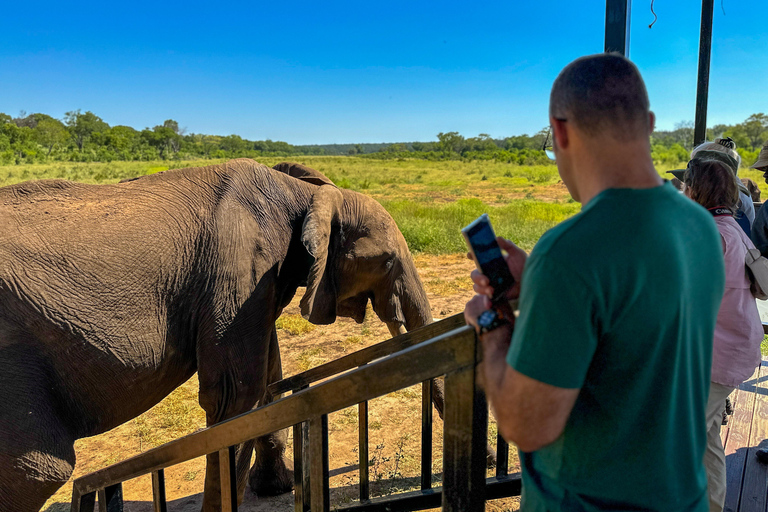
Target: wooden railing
500,486
443,348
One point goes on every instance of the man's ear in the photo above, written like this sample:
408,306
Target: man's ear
559,132
651,122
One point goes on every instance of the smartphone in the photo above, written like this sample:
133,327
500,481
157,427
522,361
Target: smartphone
486,252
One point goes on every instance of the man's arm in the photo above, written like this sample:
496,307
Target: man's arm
529,413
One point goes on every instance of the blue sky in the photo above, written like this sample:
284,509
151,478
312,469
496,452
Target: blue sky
337,72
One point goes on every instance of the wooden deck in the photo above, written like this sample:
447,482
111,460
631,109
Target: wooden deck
747,430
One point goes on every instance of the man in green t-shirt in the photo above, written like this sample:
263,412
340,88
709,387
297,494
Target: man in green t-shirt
604,382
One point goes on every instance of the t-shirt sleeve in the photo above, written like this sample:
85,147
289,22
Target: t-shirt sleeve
556,333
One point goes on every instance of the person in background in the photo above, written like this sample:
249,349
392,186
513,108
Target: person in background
724,150
760,238
738,331
760,226
610,357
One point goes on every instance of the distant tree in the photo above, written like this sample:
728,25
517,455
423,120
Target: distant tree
756,128
482,142
5,118
50,133
357,149
164,138
683,134
82,126
19,140
233,144
173,125
739,135
450,142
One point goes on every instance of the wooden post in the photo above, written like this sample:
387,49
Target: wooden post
318,447
465,439
158,491
111,498
228,475
362,413
426,434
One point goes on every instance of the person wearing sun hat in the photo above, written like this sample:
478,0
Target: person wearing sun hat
759,233
723,150
762,160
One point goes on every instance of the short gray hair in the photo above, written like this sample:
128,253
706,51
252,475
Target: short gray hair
602,93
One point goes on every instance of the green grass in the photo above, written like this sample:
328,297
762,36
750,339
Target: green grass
294,324
436,229
430,201
764,346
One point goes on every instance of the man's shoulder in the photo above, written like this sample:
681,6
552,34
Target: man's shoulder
625,222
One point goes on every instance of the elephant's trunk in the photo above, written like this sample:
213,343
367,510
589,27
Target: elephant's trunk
396,328
414,301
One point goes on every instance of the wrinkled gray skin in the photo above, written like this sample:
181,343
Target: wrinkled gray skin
111,296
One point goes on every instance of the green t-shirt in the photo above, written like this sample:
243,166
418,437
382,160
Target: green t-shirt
621,301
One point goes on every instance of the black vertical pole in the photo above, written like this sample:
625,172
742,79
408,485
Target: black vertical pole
702,89
617,26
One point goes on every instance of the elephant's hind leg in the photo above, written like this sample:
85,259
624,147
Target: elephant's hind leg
37,452
28,480
37,456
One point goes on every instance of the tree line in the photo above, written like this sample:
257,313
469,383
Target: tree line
85,137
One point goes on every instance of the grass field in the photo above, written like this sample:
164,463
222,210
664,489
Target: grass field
430,201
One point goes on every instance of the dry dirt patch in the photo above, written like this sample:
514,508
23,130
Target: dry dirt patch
394,420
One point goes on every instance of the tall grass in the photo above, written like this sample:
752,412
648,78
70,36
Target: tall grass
430,200
436,229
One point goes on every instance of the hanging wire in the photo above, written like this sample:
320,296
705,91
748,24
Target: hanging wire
722,7
654,16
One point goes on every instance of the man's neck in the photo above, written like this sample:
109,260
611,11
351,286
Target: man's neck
603,166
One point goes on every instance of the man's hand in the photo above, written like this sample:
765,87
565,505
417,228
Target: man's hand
515,260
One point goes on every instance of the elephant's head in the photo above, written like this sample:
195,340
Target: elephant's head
359,255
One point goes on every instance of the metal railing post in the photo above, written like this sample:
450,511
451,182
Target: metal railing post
702,86
617,17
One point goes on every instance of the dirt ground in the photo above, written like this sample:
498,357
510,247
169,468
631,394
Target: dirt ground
394,420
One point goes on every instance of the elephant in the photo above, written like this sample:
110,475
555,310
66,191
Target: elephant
111,296
753,188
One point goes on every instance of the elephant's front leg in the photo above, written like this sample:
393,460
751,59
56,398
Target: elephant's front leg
271,474
232,377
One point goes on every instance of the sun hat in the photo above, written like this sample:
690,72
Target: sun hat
707,155
762,159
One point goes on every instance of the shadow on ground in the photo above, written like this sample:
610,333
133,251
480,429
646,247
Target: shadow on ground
284,502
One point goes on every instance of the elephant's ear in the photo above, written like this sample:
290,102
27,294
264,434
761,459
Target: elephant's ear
303,173
320,236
